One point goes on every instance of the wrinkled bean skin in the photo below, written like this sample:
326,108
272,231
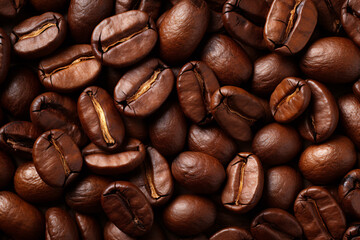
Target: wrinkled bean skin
232,233
7,170
349,193
111,232
350,19
329,14
319,214
10,9
151,7
88,227
352,233
5,52
19,219
59,225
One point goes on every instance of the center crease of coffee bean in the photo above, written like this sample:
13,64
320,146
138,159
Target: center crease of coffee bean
62,157
149,173
37,32
76,61
292,19
242,163
145,86
314,206
19,142
288,98
250,120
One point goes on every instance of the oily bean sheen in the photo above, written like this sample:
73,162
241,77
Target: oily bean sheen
100,119
39,36
244,184
221,53
19,219
7,170
70,69
111,232
319,214
349,107
245,20
329,14
88,227
189,215
289,25
57,158
130,156
51,110
154,178
84,15
196,83
178,38
349,193
329,161
290,99
232,233
124,39
321,120
332,60
151,7
11,8
143,89
5,51
18,137
275,223
60,225
198,172
236,110
127,207
350,19
352,233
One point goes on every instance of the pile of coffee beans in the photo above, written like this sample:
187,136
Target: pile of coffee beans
179,119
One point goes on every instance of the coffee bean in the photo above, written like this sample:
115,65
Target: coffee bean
352,232
232,233
111,232
136,128
151,7
10,8
59,225
329,14
350,19
349,193
88,227
356,89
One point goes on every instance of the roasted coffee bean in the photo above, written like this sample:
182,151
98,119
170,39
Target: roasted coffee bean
136,127
127,159
84,15
5,51
213,141
11,8
352,233
7,170
329,12
289,25
198,172
18,137
112,232
350,19
349,193
321,120
290,99
232,233
196,83
332,60
151,7
189,215
59,225
85,195
19,219
30,187
245,20
127,207
57,158
45,6
245,183
99,118
356,89
124,39
178,39
221,53
88,227
51,110
154,178
279,190
236,110
143,89
168,129
319,214
39,36
349,107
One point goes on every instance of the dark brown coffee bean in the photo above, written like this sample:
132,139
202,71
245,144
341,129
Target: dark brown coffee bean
349,193
189,215
232,233
30,187
196,83
19,219
319,123
143,89
7,170
51,110
329,14
11,8
57,158
59,225
289,25
45,6
88,227
70,69
18,137
198,172
112,232
221,53
125,160
154,178
319,214
151,7
127,207
178,39
167,129
245,20
350,19
352,233
5,51
338,57
85,195
39,36
136,127
290,99
236,110
124,39
245,183
100,119
84,15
